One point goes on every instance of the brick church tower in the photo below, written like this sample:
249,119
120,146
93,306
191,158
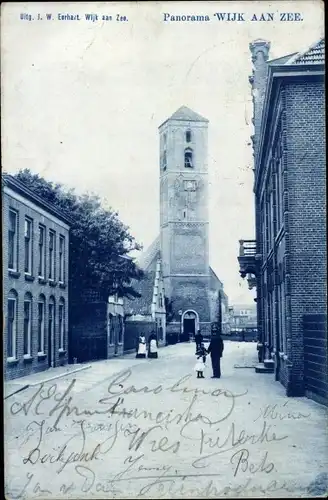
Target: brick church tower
184,219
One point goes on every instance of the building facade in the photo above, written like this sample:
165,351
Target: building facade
35,276
287,262
243,317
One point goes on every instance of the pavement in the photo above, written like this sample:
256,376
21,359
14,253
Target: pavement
148,428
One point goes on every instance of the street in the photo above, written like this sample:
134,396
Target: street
150,429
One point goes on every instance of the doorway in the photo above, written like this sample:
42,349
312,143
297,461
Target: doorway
189,325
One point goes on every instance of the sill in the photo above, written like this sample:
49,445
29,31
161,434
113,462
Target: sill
41,356
29,277
62,285
14,274
62,352
12,361
28,358
52,283
42,281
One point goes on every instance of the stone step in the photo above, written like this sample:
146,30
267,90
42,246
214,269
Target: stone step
260,368
269,363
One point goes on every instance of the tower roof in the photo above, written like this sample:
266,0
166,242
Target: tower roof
186,114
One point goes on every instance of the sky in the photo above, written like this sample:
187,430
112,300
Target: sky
82,102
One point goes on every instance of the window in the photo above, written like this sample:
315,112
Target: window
52,255
190,185
111,329
12,240
27,325
120,329
41,324
41,269
11,325
28,245
188,136
164,139
160,300
188,161
51,323
164,160
280,194
61,321
61,259
282,316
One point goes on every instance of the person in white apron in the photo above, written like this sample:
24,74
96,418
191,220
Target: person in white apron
153,346
141,347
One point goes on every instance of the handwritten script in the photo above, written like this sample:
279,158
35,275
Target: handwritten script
127,439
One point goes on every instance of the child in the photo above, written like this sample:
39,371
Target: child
201,360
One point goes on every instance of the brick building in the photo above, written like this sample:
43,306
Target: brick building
287,262
35,275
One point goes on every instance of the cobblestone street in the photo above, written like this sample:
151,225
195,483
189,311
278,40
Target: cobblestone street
150,429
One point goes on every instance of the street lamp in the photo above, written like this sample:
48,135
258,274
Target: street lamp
180,315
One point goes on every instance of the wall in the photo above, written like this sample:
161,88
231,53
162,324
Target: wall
88,332
307,213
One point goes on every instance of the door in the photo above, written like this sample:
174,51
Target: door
188,328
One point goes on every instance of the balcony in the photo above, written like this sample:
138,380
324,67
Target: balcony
248,258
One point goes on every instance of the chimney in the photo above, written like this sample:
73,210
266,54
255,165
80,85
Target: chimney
260,54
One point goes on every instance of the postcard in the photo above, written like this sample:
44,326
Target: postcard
164,249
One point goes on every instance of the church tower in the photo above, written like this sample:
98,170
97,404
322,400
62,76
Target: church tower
184,219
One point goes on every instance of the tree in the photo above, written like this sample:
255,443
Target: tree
99,241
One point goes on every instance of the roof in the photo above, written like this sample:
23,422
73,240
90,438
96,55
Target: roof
281,60
186,114
18,186
141,305
315,54
150,256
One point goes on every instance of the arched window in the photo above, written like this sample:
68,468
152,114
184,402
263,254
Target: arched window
188,136
61,323
27,324
110,327
51,324
120,329
12,325
41,323
164,160
188,159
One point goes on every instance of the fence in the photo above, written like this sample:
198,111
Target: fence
315,357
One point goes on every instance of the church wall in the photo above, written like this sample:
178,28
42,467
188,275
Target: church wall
190,293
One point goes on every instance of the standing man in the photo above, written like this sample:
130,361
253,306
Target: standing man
215,349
